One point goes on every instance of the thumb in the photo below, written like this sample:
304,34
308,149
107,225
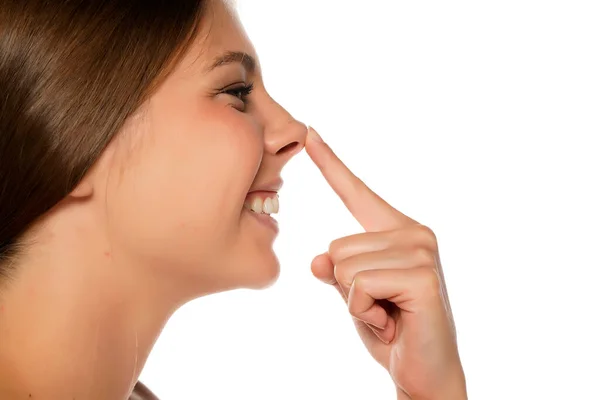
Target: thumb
322,268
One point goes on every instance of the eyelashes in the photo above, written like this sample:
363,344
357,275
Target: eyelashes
240,92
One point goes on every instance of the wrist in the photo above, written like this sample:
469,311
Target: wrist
455,389
401,394
458,395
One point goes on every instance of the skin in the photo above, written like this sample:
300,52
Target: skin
159,221
392,281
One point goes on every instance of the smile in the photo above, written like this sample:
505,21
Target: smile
262,202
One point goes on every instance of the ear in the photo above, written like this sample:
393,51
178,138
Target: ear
96,176
83,189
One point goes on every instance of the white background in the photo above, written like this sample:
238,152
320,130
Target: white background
480,119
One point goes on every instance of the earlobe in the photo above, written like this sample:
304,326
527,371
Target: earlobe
83,189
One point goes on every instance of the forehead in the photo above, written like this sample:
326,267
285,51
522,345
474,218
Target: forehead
220,32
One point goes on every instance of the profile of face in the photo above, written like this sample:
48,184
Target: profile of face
173,192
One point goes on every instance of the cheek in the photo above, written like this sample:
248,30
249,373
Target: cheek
181,194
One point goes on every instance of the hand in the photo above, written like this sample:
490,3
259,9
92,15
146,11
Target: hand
392,281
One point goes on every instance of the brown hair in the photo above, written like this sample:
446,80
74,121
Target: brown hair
71,73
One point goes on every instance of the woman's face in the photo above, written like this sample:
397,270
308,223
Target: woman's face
180,172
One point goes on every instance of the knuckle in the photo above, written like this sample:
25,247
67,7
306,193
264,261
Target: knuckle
429,281
334,250
428,237
360,279
426,258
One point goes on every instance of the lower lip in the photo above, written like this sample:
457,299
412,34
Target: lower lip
265,219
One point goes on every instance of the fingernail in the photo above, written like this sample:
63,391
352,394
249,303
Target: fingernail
313,135
378,334
375,326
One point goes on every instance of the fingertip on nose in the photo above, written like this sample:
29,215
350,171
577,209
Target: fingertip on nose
313,135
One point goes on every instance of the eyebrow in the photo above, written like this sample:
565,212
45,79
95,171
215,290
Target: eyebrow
232,57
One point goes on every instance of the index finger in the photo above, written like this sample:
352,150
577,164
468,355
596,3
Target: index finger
370,210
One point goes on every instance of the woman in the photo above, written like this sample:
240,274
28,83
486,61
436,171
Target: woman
139,162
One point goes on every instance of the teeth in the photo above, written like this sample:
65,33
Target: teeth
269,206
257,205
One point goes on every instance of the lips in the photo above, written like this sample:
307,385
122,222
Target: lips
271,186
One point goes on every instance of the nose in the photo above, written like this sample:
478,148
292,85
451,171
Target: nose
285,138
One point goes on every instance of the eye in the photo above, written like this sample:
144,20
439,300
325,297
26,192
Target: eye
241,91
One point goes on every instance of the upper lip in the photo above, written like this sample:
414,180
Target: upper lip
271,186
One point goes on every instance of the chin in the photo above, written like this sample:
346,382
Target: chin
263,272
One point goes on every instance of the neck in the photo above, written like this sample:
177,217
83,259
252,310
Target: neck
76,330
